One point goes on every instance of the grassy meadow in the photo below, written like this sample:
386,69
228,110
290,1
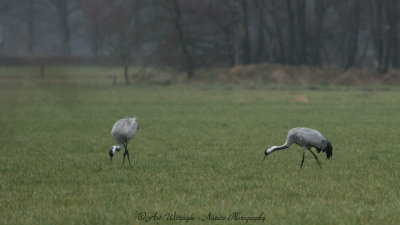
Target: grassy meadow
198,151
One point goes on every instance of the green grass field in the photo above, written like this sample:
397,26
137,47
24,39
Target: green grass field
198,151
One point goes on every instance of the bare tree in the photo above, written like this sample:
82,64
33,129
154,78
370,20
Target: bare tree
260,5
124,30
63,11
176,18
392,12
319,11
25,14
302,35
223,16
277,45
351,12
172,16
191,33
383,23
242,45
4,6
95,12
292,45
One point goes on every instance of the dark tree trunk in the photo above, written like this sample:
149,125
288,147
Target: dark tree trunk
351,42
124,50
319,11
395,38
302,31
387,45
260,30
124,54
268,31
186,53
392,7
375,11
292,33
277,46
126,71
379,35
384,22
227,29
231,55
242,45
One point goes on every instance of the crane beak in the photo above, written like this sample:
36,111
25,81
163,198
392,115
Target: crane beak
265,155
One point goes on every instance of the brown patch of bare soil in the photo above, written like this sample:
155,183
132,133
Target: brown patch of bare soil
301,98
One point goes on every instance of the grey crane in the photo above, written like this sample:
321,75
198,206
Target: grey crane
122,131
306,138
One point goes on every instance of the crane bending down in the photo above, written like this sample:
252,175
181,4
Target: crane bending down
306,138
122,131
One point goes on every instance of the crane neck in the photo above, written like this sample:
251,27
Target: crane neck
275,148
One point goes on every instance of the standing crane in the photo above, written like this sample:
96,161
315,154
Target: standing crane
306,138
122,131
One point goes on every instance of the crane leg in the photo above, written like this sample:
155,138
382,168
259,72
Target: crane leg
126,153
302,160
315,158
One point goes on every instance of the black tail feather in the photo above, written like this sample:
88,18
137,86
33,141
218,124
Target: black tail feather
328,150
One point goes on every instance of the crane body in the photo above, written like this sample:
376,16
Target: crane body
306,138
122,131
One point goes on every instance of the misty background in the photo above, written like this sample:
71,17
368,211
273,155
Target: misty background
192,34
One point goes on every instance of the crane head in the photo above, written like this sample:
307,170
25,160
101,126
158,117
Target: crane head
113,149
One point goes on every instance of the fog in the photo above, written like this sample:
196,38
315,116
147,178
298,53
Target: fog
193,34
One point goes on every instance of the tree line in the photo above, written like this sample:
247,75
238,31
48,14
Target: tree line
191,33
